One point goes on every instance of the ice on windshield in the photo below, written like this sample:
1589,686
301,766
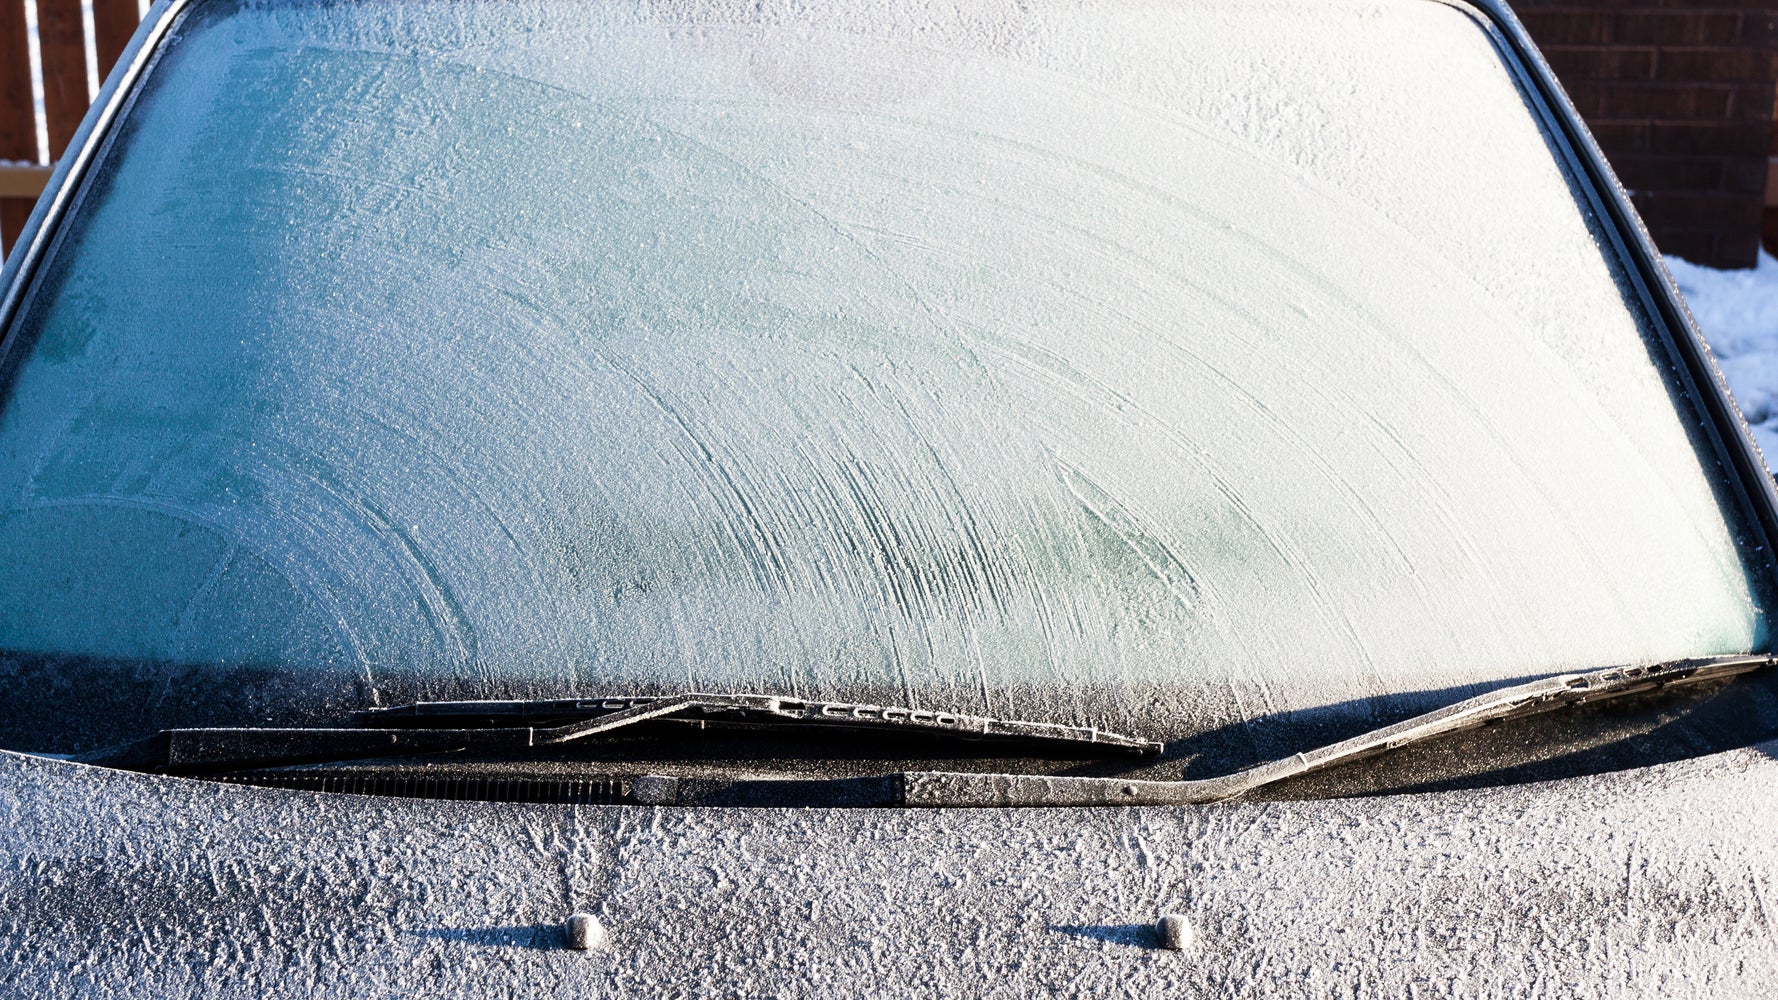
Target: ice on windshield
1183,363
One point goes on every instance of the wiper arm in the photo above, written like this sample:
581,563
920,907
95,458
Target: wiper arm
435,727
936,788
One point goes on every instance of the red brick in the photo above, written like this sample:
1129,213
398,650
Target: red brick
1690,28
1716,65
1729,138
1695,245
1737,248
1582,64
1744,175
1621,137
1670,173
1588,98
13,213
1567,28
1760,30
1753,103
1700,211
1667,101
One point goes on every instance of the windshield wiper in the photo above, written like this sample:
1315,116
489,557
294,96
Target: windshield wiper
437,727
503,726
937,788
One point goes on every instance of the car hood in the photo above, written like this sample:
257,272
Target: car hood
120,884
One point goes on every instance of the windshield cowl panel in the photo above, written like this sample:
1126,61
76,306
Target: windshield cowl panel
1101,365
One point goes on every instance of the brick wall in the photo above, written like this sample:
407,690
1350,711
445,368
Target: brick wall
1680,97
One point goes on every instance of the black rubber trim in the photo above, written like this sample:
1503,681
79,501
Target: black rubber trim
544,791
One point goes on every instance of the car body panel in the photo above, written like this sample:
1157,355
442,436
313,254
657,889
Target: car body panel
1625,884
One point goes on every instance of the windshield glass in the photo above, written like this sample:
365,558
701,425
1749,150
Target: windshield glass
1159,366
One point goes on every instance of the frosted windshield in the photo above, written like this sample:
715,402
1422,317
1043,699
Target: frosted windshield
1158,365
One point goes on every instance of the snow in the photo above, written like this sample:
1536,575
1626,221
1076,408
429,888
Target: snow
1737,311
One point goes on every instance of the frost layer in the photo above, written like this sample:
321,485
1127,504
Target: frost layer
1189,362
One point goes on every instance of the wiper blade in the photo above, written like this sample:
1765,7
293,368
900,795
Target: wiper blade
936,788
582,717
434,727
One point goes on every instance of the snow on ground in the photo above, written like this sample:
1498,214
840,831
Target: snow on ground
1738,313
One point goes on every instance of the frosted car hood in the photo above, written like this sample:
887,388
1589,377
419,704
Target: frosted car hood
119,884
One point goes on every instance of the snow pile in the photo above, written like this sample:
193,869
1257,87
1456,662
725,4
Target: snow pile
1737,311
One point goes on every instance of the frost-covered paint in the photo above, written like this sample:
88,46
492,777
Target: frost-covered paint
1061,361
1657,882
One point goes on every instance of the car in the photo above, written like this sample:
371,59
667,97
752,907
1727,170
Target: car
920,497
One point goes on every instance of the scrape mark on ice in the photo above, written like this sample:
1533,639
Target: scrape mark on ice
1155,554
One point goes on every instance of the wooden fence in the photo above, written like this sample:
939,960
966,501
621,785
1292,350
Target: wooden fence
62,42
